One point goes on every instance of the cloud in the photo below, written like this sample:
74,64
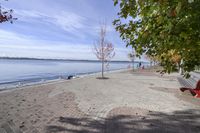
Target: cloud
28,14
58,29
28,46
67,21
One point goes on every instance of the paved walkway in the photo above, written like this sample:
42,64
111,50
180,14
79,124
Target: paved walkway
97,97
125,103
9,127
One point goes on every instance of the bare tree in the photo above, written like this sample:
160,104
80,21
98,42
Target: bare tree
6,15
131,56
103,50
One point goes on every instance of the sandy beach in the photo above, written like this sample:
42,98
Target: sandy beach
126,102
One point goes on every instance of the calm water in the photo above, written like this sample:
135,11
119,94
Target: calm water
17,72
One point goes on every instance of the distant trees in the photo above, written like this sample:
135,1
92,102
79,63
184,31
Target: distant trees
152,59
103,50
6,15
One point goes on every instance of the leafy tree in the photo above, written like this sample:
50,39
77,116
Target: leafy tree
156,27
6,15
173,60
103,50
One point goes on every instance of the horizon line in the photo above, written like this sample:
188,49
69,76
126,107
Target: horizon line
60,59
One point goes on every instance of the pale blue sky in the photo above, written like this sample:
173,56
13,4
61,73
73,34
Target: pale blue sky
58,29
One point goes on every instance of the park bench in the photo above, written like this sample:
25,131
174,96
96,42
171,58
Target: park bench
192,84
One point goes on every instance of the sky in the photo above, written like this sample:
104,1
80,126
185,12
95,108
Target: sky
58,29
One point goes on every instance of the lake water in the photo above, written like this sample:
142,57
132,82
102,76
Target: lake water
17,72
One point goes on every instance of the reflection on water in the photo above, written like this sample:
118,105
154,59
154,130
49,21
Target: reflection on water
13,71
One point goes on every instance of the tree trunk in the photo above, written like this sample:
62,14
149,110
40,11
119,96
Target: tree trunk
102,68
180,68
133,64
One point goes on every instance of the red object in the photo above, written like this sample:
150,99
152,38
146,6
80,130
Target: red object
194,91
3,18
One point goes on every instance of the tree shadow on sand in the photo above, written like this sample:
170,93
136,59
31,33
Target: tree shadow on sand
154,122
102,78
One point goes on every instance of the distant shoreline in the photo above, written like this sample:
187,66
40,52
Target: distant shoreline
27,58
34,77
15,85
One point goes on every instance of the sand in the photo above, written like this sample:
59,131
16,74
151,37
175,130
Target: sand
125,102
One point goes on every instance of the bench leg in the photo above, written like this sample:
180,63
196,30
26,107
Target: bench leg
197,93
184,89
194,92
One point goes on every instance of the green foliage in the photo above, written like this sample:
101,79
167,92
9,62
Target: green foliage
156,27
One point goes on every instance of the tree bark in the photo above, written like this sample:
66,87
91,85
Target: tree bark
180,68
102,69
